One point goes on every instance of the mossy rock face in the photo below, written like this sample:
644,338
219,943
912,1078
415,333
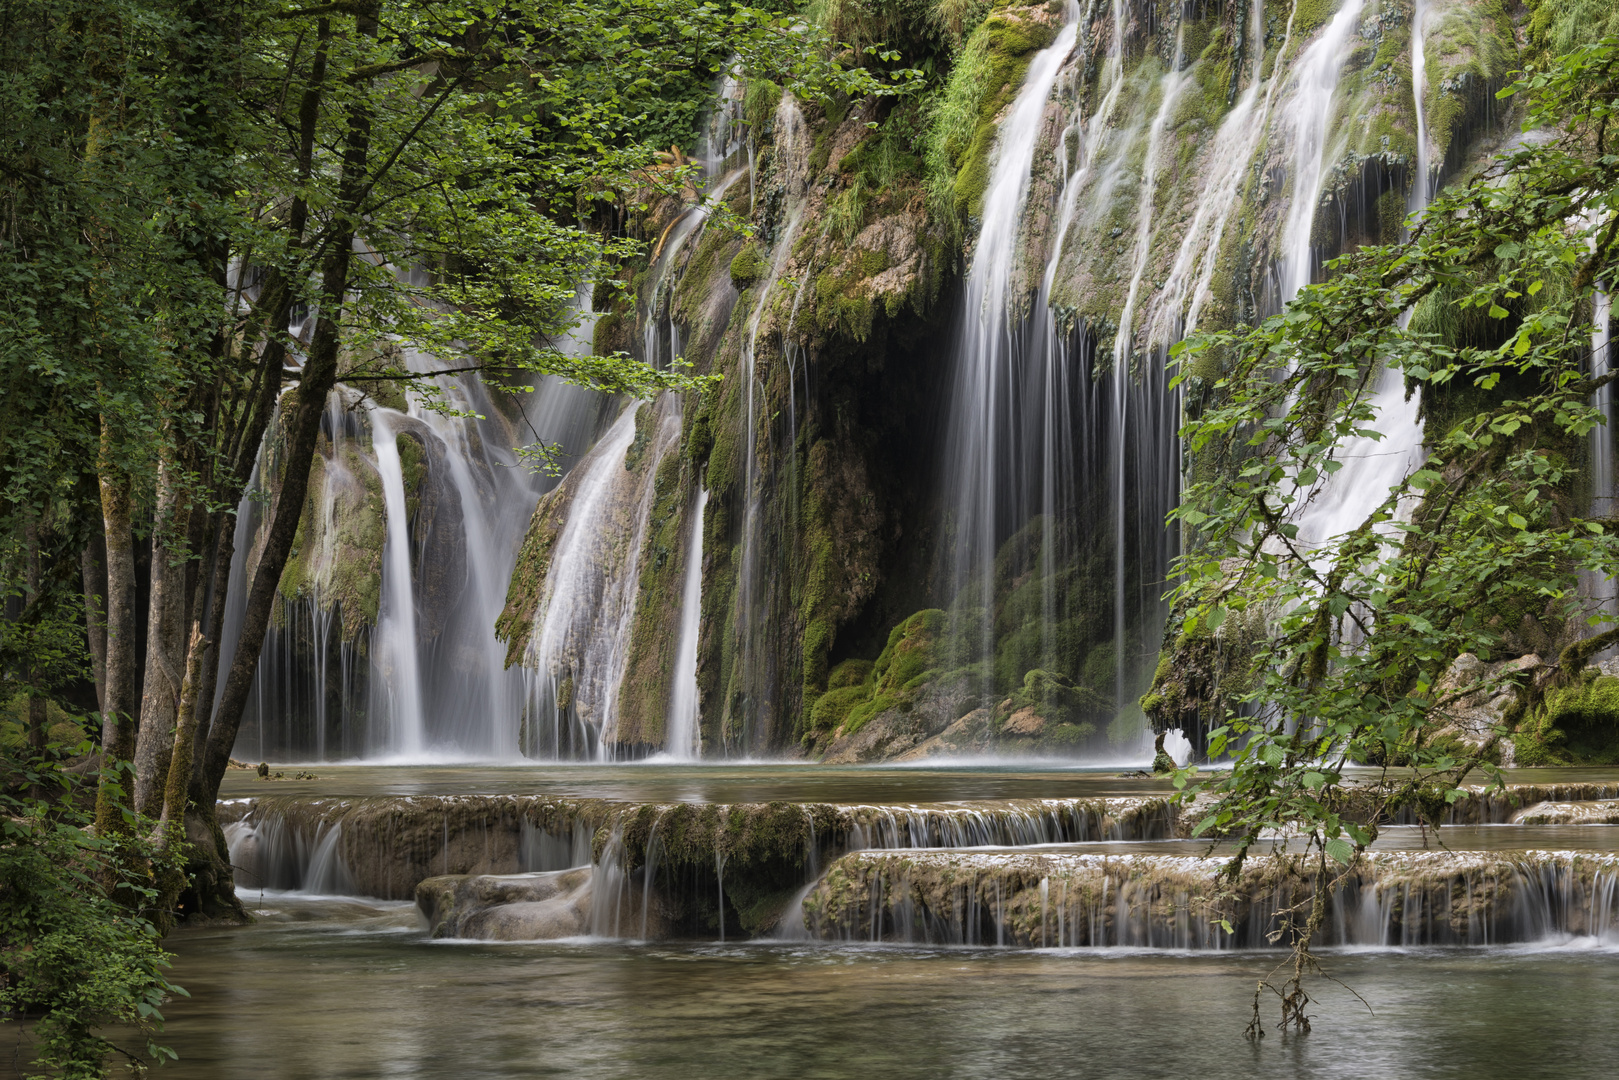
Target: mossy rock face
1054,696
649,671
1576,725
985,78
850,673
515,624
336,556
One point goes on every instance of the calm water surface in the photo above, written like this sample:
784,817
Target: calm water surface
348,989
652,782
754,782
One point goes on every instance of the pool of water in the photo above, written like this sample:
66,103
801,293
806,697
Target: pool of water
653,782
331,988
755,782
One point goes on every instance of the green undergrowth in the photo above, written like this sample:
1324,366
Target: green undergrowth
1557,27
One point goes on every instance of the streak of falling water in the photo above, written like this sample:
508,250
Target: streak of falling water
986,354
1604,590
1315,78
1122,363
683,741
1234,147
576,641
757,684
1422,183
656,317
1371,466
398,685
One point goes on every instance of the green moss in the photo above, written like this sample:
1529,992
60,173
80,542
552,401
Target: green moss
832,708
985,76
516,621
1310,14
336,555
1576,725
1560,26
1054,696
759,102
412,468
643,700
748,267
850,673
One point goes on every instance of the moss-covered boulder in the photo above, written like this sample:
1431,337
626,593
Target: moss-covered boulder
1576,724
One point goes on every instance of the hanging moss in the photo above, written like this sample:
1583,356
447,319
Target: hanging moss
649,668
412,468
336,558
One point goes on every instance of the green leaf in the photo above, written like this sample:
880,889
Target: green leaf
1498,312
1340,851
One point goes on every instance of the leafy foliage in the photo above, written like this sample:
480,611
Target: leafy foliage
1365,624
76,951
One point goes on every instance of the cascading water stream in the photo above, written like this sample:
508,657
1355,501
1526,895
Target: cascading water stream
1602,590
440,534
575,660
1123,355
1422,183
399,687
1371,465
757,683
1315,89
984,364
684,741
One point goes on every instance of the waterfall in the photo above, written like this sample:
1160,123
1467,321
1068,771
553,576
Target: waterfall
432,547
1182,298
395,639
983,408
684,741
1602,589
1372,465
575,660
1422,185
1311,109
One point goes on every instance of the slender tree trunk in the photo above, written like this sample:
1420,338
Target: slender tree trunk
302,426
93,565
178,782
160,696
37,703
117,715
214,627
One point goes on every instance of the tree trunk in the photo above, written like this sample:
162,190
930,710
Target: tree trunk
160,696
93,565
117,720
37,702
302,428
178,781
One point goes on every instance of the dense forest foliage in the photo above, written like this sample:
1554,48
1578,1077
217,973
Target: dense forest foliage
183,183
211,215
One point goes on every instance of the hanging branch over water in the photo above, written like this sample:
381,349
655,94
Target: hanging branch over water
1365,626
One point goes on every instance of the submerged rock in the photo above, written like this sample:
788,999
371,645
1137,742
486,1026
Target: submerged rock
1594,812
508,907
